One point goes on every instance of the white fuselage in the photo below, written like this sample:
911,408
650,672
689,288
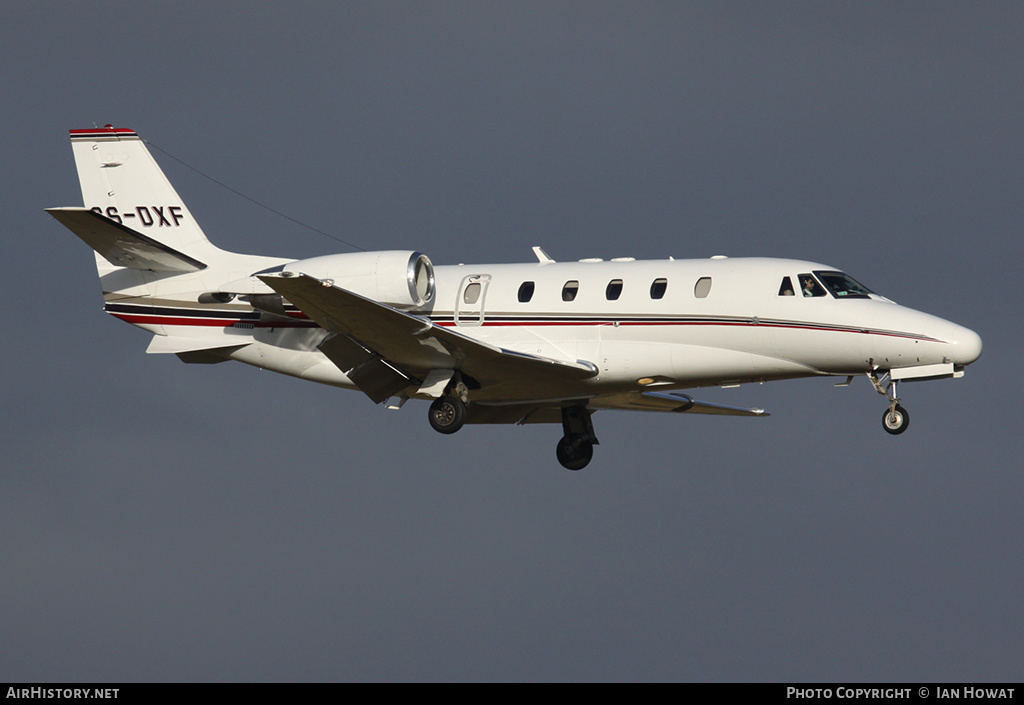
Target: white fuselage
669,324
718,321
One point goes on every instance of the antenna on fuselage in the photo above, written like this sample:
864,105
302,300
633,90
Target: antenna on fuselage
542,256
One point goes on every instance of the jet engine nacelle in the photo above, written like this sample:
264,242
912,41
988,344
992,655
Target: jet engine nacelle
402,279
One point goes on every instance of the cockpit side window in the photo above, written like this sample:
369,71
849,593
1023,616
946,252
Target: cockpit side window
810,286
786,288
843,286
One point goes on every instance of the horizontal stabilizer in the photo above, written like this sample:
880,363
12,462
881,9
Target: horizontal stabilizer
165,345
193,350
122,246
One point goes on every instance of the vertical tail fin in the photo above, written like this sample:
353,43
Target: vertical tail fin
121,180
156,267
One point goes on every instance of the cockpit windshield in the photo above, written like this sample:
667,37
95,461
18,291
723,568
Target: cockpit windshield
843,286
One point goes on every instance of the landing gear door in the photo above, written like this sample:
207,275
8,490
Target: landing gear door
469,306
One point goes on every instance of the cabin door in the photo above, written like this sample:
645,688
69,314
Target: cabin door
469,306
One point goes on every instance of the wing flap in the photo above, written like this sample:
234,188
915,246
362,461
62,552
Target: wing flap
122,246
412,345
367,370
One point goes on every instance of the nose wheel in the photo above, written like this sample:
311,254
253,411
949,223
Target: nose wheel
896,419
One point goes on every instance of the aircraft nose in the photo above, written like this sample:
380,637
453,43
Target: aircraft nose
966,346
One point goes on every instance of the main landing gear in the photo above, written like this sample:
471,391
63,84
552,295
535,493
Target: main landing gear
574,451
576,448
895,420
447,414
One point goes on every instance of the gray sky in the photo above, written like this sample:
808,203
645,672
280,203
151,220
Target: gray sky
168,522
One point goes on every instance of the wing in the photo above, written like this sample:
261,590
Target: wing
671,401
384,350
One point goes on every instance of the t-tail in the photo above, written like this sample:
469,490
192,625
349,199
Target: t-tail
132,216
157,268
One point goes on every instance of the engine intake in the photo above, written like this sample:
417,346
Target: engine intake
399,278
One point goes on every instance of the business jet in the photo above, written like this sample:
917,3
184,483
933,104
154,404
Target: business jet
543,342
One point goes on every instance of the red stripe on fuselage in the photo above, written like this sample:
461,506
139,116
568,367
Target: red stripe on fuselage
829,329
141,319
144,319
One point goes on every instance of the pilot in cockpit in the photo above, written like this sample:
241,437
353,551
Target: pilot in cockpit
811,287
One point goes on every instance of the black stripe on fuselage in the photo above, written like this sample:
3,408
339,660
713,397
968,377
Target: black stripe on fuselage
502,320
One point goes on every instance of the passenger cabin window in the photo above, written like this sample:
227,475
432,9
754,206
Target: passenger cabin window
786,288
472,293
810,286
570,290
702,288
614,290
525,292
658,288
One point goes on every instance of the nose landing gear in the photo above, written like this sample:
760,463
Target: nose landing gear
895,420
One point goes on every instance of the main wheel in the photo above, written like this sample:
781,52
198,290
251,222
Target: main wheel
574,451
447,414
895,421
